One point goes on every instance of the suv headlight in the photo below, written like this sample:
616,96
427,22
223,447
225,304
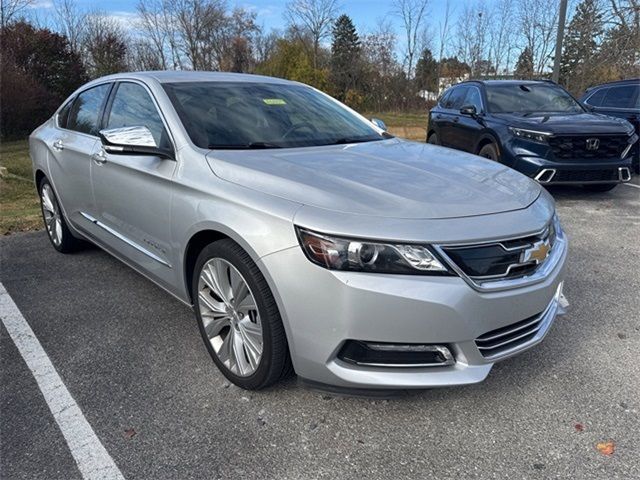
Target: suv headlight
336,253
540,137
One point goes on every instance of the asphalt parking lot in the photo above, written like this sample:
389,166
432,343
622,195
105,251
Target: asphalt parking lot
132,358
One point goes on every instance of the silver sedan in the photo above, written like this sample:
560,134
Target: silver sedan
305,236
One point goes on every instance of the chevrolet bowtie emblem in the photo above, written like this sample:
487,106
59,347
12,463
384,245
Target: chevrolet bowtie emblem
537,253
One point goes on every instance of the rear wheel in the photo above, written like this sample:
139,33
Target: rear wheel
600,187
54,221
490,151
238,317
433,139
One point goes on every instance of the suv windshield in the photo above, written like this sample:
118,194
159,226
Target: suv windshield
226,115
528,98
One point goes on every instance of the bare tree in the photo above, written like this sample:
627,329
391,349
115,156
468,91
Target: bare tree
10,9
538,20
313,18
104,45
502,35
412,15
472,38
71,22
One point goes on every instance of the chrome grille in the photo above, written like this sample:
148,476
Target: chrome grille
578,146
506,259
496,342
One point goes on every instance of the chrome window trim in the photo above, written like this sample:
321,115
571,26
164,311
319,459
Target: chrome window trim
558,252
73,99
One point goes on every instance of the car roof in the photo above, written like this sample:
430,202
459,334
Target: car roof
628,81
505,82
173,76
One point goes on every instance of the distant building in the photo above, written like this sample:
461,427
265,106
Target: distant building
443,84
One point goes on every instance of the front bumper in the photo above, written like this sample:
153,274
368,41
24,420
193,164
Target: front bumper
579,172
322,309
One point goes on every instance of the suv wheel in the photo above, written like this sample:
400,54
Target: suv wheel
433,139
238,317
600,187
57,229
490,151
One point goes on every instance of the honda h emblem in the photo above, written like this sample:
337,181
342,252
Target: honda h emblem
593,143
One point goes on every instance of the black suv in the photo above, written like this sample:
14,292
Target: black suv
536,127
618,99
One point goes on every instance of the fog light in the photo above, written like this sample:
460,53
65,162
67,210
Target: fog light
407,355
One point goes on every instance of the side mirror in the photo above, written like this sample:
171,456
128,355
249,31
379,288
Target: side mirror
132,141
469,110
588,108
379,123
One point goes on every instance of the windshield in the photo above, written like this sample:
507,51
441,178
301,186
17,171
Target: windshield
234,115
529,98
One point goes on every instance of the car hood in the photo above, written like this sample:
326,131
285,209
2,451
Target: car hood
570,123
390,178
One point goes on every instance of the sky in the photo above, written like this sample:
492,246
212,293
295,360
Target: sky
364,13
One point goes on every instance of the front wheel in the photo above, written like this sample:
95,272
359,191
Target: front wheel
490,151
59,234
600,187
238,317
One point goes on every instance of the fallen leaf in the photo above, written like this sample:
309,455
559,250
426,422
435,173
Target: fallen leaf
129,432
606,448
579,427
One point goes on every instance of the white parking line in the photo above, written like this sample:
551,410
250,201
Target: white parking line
632,185
92,458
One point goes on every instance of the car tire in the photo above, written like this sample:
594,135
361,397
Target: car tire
490,151
55,224
232,328
600,187
433,139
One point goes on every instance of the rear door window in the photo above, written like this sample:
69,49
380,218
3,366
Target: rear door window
86,109
620,97
595,100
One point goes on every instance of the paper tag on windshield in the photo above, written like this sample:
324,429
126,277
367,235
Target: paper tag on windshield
274,101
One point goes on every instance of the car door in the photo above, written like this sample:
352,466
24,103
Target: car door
73,141
437,118
618,101
465,132
451,115
133,192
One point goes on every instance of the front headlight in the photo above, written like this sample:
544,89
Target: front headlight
540,137
336,253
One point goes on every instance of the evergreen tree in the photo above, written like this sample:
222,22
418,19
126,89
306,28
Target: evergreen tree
579,58
346,61
427,72
524,65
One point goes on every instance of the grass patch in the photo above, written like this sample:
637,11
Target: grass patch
19,204
412,126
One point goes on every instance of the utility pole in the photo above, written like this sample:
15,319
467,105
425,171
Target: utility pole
556,61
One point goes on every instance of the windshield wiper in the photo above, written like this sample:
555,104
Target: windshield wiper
346,140
244,146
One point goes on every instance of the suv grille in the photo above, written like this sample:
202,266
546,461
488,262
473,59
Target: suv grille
506,259
497,341
576,146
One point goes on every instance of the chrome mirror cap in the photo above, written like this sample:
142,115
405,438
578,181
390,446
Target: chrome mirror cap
379,123
128,137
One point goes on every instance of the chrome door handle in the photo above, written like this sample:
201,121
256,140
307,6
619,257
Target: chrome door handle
100,157
58,145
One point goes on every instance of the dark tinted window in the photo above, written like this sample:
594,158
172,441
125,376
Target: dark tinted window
86,108
620,97
240,115
133,107
456,99
473,98
529,97
63,115
444,97
596,99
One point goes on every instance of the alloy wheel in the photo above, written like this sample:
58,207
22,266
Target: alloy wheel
230,317
51,212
